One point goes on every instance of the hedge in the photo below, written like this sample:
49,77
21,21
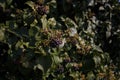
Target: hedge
59,40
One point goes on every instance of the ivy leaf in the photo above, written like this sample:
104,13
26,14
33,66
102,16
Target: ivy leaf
57,60
9,2
29,19
1,35
31,4
97,48
18,44
11,24
38,66
33,31
2,4
97,60
44,21
45,62
90,76
70,23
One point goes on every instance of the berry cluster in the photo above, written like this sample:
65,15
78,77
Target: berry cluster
60,69
55,42
67,60
72,40
77,66
41,9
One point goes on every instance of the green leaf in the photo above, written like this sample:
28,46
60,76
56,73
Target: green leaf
26,44
57,60
97,60
8,2
44,21
1,35
29,19
31,4
39,66
70,23
2,4
45,62
90,76
97,48
18,44
33,31
11,24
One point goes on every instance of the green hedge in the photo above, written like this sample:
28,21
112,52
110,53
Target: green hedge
59,40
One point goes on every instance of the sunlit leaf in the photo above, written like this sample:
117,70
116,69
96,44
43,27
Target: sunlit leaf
44,21
97,60
56,60
31,4
97,48
70,23
38,66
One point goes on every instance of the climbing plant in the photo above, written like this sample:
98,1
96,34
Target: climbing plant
59,40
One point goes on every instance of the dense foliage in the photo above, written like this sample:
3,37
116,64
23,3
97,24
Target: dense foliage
59,40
